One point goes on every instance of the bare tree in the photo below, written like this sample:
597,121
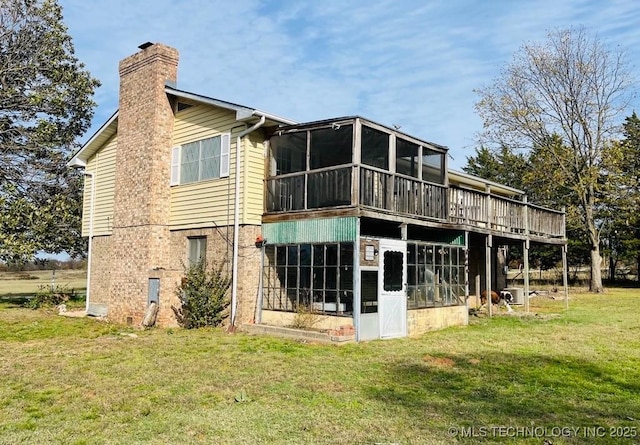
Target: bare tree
570,87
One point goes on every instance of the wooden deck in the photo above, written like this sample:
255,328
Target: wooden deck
371,189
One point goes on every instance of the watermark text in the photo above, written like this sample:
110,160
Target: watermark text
617,432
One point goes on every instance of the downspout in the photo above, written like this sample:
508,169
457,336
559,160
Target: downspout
90,243
77,163
236,221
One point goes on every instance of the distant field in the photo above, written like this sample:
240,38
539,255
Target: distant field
25,283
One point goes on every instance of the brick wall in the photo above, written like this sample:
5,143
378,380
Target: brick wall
219,251
248,274
145,131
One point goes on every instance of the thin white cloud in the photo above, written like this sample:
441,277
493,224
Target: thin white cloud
409,63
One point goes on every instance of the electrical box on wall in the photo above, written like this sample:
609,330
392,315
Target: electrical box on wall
369,252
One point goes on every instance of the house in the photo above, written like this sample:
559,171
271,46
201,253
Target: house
355,221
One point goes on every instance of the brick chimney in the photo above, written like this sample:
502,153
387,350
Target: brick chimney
140,237
145,125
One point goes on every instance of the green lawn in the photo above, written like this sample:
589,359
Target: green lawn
81,381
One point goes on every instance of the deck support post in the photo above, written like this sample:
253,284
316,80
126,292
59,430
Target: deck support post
466,271
565,281
487,284
357,284
525,252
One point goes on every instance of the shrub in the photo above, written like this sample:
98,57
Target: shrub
305,318
26,276
48,296
203,296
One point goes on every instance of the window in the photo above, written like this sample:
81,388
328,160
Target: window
375,148
288,153
432,166
201,160
318,277
331,146
196,249
392,269
328,147
435,275
407,159
304,152
369,291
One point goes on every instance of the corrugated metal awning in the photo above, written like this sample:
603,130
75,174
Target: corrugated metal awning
324,230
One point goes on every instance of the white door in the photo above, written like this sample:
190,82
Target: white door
392,288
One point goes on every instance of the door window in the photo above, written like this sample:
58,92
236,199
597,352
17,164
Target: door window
369,282
393,263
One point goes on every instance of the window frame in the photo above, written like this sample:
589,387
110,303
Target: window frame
433,265
200,241
225,159
318,276
280,160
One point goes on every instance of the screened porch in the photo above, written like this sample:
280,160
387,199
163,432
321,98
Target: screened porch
353,163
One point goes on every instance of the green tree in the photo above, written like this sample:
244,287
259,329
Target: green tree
573,88
501,165
622,182
529,171
45,105
630,243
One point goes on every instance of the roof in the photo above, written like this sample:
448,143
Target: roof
110,127
243,113
99,138
396,131
465,179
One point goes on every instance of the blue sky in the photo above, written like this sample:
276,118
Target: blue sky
412,63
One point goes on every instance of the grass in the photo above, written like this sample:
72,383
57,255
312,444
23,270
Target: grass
82,381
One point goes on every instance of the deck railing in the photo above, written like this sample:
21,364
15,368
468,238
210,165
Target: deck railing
385,191
546,222
502,214
329,187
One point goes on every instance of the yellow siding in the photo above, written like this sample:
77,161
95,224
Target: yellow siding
103,167
254,179
203,203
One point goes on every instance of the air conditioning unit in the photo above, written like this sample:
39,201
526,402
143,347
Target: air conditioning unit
517,293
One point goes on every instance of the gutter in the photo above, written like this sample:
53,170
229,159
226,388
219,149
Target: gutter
78,163
236,220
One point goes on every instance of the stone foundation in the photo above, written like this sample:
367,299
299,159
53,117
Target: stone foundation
321,322
420,321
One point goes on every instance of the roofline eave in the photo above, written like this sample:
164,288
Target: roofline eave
82,155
